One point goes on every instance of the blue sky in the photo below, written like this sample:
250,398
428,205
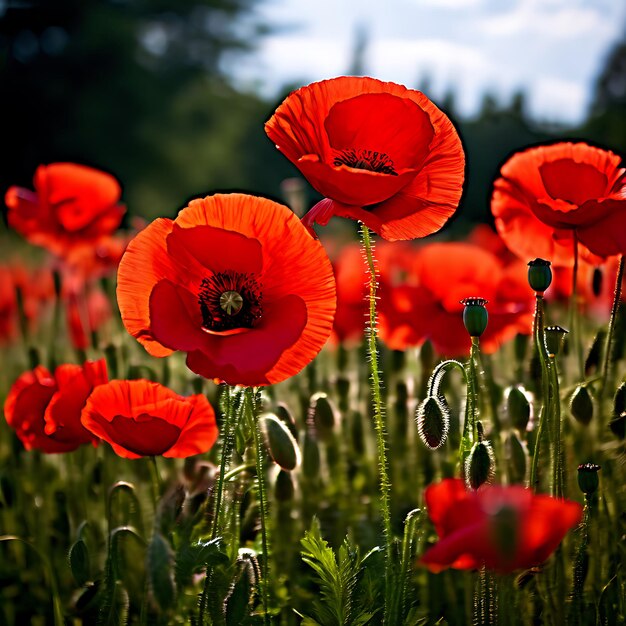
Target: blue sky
553,48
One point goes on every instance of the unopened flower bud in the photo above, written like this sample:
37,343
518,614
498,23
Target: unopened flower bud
539,275
281,445
480,465
475,316
284,488
588,479
554,336
322,414
518,458
518,408
433,421
581,405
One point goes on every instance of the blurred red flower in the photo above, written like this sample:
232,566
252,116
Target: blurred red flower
501,528
235,281
548,193
86,313
424,302
44,410
380,153
72,205
141,418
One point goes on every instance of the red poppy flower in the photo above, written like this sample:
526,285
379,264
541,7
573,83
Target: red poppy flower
71,205
86,313
236,282
548,193
426,305
502,528
141,418
380,153
44,410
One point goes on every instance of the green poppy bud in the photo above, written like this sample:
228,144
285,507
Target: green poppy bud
518,408
280,443
475,316
539,275
322,414
480,465
518,458
581,405
310,456
588,479
554,336
594,357
433,421
284,488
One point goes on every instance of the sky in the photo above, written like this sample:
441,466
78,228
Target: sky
553,49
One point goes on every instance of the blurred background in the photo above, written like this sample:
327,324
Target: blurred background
171,95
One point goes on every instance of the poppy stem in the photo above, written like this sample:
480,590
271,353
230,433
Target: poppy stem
157,484
555,421
574,316
581,562
379,423
609,337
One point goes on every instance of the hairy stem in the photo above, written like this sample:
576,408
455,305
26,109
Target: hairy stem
609,336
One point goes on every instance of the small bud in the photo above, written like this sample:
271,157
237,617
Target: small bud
310,456
554,336
475,316
286,417
480,465
322,414
427,356
588,479
618,425
520,346
281,445
433,421
283,488
518,458
539,275
581,405
592,362
518,408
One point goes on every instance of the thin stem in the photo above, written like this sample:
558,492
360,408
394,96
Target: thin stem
580,565
555,420
381,435
157,484
609,337
574,316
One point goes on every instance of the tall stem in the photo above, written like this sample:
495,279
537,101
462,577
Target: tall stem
381,435
555,420
609,337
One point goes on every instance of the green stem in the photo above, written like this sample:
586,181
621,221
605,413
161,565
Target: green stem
260,471
381,435
157,483
555,420
580,565
408,538
609,336
470,428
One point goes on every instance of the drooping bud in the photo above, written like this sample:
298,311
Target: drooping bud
322,414
284,488
518,408
554,336
475,316
588,479
539,275
433,421
581,405
287,418
281,445
480,465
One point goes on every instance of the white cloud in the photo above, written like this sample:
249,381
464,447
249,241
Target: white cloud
450,4
556,99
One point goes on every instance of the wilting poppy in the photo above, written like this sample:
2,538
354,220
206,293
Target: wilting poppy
501,528
426,304
141,418
235,281
72,205
547,194
379,153
44,409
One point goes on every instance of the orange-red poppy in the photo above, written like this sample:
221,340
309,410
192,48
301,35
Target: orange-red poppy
141,418
427,303
379,153
235,281
72,205
44,410
501,528
547,194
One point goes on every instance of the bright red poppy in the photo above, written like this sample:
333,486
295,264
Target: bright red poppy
235,281
72,205
141,418
548,193
502,528
44,409
425,301
379,153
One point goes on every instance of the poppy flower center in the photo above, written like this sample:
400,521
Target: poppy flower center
229,300
370,160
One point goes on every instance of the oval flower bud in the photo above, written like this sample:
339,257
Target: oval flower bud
475,316
539,275
480,465
322,414
433,421
280,443
518,408
581,405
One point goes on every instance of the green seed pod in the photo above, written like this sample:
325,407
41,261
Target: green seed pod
553,337
518,458
588,479
539,275
281,445
581,405
322,414
284,487
480,465
475,316
433,421
518,408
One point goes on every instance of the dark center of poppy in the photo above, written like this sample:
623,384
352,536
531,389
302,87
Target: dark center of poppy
366,160
230,300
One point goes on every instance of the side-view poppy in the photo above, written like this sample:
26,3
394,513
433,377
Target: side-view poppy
141,418
72,205
379,153
235,281
502,528
547,194
44,409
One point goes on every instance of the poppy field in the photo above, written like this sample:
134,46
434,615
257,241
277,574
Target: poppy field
235,417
